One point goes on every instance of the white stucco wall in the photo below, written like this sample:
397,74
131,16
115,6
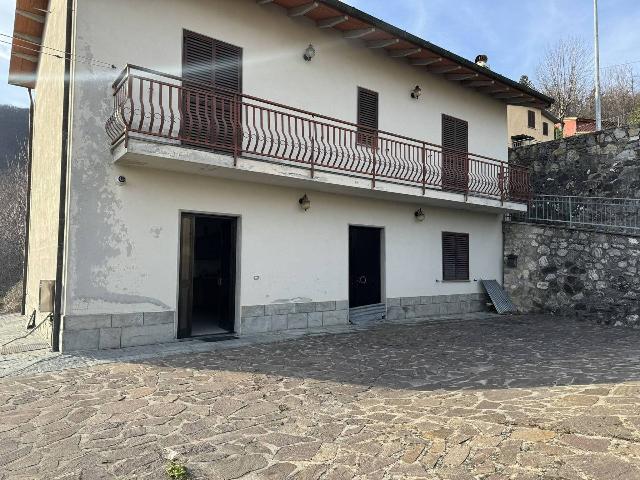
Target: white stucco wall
47,149
123,241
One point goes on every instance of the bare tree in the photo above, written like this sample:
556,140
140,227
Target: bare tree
565,74
13,200
618,93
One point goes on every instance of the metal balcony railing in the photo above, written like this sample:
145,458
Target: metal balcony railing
621,215
156,106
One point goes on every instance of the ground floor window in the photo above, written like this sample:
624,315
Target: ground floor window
455,256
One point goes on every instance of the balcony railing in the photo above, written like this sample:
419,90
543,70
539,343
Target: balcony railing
170,109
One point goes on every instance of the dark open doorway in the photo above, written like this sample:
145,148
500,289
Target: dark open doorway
207,275
365,266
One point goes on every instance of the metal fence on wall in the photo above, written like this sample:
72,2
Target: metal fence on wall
600,213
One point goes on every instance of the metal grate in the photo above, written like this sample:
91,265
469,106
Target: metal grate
499,297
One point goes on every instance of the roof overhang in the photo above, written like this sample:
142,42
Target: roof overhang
377,34
28,27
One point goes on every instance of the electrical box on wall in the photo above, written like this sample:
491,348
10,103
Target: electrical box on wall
47,295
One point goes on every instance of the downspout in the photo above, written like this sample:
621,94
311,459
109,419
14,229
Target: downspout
27,219
62,207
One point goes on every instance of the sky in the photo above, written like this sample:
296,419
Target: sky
513,33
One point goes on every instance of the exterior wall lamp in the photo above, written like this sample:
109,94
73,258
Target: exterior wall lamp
305,203
419,214
309,53
416,92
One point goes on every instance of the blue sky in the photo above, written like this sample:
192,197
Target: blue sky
512,33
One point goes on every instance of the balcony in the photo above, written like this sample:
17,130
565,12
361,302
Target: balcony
173,113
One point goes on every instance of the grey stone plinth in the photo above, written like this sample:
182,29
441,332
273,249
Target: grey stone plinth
127,320
253,311
159,318
75,340
296,321
279,323
336,317
257,324
314,319
280,309
110,338
86,322
147,335
325,306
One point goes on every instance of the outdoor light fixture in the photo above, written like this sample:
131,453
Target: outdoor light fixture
309,53
416,92
305,203
420,216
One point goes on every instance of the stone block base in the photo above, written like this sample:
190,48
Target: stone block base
406,308
108,331
293,316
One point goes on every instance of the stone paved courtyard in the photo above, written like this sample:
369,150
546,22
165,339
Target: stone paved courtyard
523,397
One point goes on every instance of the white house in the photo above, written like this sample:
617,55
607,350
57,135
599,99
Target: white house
215,166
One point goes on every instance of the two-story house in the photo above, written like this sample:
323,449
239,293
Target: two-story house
527,124
255,166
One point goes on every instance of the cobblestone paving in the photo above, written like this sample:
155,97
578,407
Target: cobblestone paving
515,398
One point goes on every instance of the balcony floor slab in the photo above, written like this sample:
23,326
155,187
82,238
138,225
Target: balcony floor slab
177,158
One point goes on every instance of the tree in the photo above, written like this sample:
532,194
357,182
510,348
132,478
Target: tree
13,198
634,118
524,80
565,75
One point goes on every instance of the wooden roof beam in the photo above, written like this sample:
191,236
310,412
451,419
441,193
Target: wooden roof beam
358,33
303,9
385,42
24,56
457,77
478,83
31,16
404,52
332,22
425,61
445,69
509,95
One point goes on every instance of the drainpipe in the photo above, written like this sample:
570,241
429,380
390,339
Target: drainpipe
27,216
62,207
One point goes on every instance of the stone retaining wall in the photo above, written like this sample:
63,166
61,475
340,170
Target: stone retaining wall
101,332
578,272
603,164
292,316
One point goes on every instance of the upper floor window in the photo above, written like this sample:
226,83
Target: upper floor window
531,118
367,116
455,256
545,129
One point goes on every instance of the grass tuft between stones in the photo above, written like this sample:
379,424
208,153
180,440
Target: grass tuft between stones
177,471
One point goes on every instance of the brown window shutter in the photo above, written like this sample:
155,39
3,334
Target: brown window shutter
455,256
227,74
209,119
367,116
531,118
455,144
545,128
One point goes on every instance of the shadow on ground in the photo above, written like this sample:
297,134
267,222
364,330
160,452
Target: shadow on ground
509,352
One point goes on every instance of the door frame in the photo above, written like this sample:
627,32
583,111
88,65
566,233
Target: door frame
383,260
236,275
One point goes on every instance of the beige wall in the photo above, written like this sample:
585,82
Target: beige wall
47,145
123,240
519,125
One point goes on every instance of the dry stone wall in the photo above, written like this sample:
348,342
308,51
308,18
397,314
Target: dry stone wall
588,274
604,164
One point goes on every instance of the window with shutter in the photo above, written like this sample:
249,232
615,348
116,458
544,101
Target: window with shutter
455,256
545,129
211,118
367,116
531,118
455,145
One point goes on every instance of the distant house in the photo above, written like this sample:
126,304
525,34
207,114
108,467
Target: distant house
530,125
578,125
245,179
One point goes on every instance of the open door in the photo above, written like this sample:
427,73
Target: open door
207,275
365,274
